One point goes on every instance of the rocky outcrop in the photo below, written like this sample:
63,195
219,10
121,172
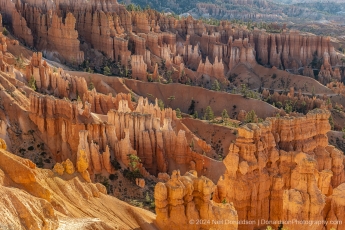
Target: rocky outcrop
291,50
107,127
143,38
139,68
55,81
183,201
328,75
83,156
336,208
216,70
59,31
305,196
20,28
4,66
240,51
289,166
37,198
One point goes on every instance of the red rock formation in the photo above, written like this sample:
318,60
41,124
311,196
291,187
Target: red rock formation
4,66
192,56
20,28
335,217
54,80
216,70
140,22
59,31
291,50
304,196
121,51
109,28
141,129
139,44
293,179
184,199
240,51
139,67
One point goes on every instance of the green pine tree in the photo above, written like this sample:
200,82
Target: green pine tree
178,113
251,117
161,104
225,115
209,115
106,71
288,107
216,86
195,115
32,83
91,86
331,122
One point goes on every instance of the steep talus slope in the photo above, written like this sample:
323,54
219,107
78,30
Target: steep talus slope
183,97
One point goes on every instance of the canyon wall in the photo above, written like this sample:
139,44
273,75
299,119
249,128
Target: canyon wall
145,131
106,127
282,169
292,50
143,38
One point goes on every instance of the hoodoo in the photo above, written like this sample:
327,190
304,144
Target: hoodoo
116,116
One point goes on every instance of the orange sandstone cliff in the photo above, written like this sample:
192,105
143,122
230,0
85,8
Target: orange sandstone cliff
282,169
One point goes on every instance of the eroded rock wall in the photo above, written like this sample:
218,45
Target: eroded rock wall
183,201
150,37
282,169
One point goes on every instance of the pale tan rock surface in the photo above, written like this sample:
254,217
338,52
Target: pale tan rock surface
38,198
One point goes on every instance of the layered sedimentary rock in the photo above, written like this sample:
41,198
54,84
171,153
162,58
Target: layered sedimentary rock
4,66
281,169
216,70
139,68
20,28
43,199
292,50
54,81
107,127
336,208
39,27
110,30
120,34
184,199
240,51
59,31
140,133
305,196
